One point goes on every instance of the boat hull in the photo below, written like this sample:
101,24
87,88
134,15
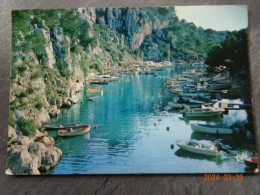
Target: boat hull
211,130
56,127
94,90
67,133
203,114
179,105
100,82
250,163
220,86
183,144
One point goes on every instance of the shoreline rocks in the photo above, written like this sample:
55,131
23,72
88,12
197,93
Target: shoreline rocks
29,156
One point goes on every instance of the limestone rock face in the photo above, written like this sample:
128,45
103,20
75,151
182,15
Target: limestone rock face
54,111
73,99
43,116
62,46
31,156
89,15
22,140
48,44
19,161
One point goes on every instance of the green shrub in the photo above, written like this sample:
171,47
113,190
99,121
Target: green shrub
27,127
21,69
36,75
37,20
11,120
14,72
39,105
62,67
49,94
22,94
30,90
21,106
12,105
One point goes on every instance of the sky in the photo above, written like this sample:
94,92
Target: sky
215,17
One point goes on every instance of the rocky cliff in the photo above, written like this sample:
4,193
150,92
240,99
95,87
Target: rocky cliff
55,51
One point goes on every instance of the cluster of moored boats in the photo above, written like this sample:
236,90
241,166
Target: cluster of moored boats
192,97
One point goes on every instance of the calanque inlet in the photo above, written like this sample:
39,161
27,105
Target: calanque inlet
57,52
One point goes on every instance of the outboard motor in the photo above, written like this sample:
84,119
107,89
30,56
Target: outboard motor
219,147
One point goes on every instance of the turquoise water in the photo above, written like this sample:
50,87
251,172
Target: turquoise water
127,141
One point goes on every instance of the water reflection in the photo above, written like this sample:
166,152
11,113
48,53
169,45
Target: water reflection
126,140
212,137
189,155
235,116
215,119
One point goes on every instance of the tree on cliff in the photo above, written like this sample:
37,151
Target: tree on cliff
232,53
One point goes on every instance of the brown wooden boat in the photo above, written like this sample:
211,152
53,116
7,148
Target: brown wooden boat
74,131
104,82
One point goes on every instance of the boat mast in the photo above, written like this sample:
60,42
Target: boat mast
181,68
169,53
154,52
197,71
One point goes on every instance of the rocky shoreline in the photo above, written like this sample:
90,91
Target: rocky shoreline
34,155
31,155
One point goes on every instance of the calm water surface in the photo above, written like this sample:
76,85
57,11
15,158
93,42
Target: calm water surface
127,141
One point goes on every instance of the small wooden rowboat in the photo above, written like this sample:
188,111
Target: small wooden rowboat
94,90
199,148
211,129
252,162
55,127
74,131
104,82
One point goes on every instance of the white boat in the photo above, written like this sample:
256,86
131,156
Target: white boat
112,78
211,129
94,90
181,90
175,105
197,147
203,111
185,79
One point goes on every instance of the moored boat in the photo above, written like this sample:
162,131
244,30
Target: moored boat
180,90
211,129
199,148
74,131
104,82
202,112
181,105
94,90
252,162
55,127
219,86
113,78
